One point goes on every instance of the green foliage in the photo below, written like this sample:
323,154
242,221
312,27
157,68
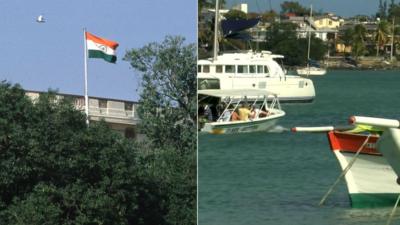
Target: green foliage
235,14
168,96
168,113
282,39
293,7
56,170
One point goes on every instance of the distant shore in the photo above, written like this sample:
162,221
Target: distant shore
364,63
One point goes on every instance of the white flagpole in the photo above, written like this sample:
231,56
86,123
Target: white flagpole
86,79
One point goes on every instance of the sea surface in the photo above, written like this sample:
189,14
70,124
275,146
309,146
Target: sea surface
279,177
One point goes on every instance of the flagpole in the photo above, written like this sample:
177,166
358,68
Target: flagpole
86,79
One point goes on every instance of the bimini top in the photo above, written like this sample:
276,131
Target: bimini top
236,93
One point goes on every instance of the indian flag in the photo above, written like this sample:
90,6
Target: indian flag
101,48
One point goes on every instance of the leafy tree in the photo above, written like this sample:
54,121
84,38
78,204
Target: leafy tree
56,170
381,35
168,97
209,4
293,7
168,118
235,14
269,16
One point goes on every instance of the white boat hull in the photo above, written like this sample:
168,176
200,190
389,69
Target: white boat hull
371,181
233,127
289,89
389,146
311,71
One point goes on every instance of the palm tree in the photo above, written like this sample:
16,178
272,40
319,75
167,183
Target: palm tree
358,40
381,35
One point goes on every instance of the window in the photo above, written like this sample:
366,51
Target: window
206,68
330,22
128,106
199,68
266,69
260,69
243,69
218,68
229,69
102,103
252,69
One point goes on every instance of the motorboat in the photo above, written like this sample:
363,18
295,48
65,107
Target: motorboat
264,116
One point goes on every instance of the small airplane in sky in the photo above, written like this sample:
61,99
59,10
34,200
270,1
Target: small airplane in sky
40,19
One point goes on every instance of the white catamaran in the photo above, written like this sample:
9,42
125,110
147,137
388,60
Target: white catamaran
264,115
251,70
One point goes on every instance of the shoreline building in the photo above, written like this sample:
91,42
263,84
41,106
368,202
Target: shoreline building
120,115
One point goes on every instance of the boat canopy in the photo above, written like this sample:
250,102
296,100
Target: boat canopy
239,93
232,27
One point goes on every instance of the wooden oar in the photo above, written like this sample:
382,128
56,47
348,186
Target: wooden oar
323,128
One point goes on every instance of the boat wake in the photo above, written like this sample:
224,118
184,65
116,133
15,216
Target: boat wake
278,129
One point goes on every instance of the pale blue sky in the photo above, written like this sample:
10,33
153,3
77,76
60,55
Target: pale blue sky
50,55
344,8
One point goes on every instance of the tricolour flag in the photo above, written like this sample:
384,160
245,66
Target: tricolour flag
101,48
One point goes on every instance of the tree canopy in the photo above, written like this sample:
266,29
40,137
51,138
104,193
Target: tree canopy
56,170
168,109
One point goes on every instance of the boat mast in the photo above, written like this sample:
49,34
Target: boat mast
309,41
216,22
391,48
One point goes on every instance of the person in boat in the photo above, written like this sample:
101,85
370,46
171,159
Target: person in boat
226,114
208,113
235,115
263,112
244,112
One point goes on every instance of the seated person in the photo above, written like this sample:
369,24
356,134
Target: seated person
235,115
226,115
263,112
244,112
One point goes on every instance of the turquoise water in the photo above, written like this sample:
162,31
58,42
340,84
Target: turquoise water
279,178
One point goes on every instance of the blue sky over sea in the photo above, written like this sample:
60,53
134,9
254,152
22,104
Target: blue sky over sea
50,55
345,8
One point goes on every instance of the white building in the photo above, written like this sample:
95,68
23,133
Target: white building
120,115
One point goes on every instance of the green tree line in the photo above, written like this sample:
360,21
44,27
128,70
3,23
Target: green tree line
57,170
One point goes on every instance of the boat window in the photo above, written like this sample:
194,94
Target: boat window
218,68
199,68
243,69
260,69
206,68
266,69
229,69
252,69
208,84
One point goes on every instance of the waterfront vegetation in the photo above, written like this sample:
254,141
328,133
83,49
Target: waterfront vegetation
57,170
